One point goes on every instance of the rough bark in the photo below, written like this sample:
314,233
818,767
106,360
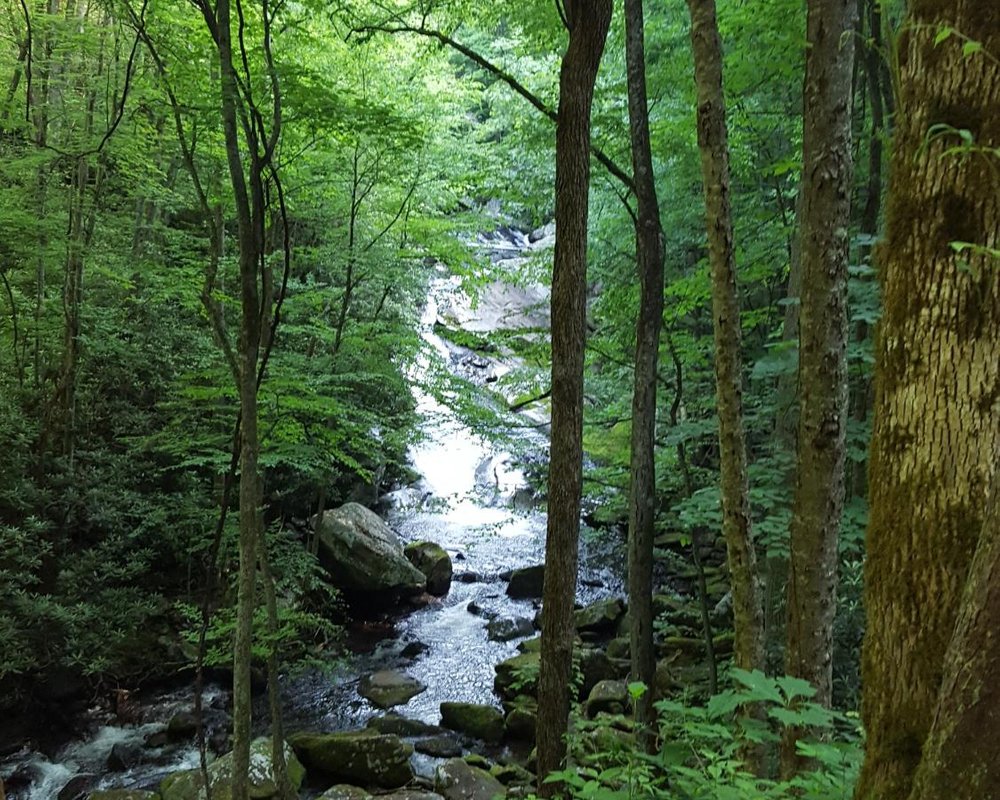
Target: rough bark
748,647
937,380
642,471
588,22
823,332
960,757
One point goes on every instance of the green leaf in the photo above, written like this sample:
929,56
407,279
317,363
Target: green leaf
943,35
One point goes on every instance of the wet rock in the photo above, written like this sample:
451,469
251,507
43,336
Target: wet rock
476,720
344,791
468,577
439,746
122,757
122,794
600,617
364,757
526,582
414,649
411,794
457,780
402,726
517,675
362,554
77,786
188,785
156,739
432,560
387,688
503,629
182,725
607,696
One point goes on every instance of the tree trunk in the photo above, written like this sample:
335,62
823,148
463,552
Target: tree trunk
960,757
588,22
936,418
748,647
642,477
823,330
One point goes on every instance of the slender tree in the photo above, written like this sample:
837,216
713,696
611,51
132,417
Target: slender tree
748,649
823,331
588,22
937,379
642,473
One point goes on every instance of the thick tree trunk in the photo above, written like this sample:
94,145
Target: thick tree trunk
642,477
748,648
960,756
588,22
936,417
823,331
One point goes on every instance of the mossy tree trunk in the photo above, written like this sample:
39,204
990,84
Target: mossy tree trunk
823,331
748,611
937,381
588,22
642,471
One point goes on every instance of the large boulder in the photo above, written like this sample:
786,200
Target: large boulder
387,688
610,697
526,582
363,555
434,563
600,617
504,629
363,757
188,785
522,720
517,675
402,726
344,791
123,794
479,721
457,780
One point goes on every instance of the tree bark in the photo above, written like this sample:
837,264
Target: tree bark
748,647
642,471
936,417
588,22
823,331
960,757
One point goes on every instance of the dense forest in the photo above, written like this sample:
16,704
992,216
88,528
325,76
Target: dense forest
445,401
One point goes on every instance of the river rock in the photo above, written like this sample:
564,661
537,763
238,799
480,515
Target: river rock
600,617
619,648
504,629
364,757
517,675
443,746
522,720
182,725
457,780
344,791
608,696
362,554
512,775
123,756
123,794
595,666
387,688
402,726
432,560
526,582
410,794
188,785
76,786
476,720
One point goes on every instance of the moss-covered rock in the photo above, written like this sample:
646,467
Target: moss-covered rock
188,785
600,617
476,720
387,688
457,780
402,726
526,582
363,757
522,721
344,791
607,696
123,794
435,564
517,675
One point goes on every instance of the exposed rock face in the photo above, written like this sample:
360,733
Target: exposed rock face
188,785
526,582
363,757
479,721
363,555
435,564
387,688
457,780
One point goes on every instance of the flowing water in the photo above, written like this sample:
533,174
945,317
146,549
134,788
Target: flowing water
470,500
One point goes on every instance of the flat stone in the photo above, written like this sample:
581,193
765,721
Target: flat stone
387,688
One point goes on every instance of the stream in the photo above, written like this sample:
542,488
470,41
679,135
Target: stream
472,500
